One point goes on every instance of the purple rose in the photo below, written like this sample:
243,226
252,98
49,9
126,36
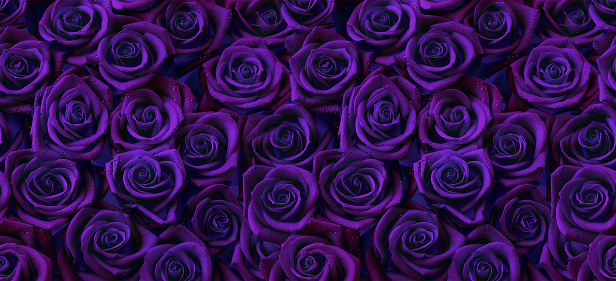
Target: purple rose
599,264
503,26
454,10
104,244
260,18
195,26
585,139
75,26
148,181
129,58
324,69
250,251
487,255
437,57
382,26
456,182
559,252
416,245
555,75
380,116
355,189
305,14
20,262
603,13
209,145
5,194
278,201
180,255
566,18
314,255
582,200
523,216
48,190
147,118
8,144
517,145
71,117
607,77
287,137
456,118
11,11
215,216
246,75
26,67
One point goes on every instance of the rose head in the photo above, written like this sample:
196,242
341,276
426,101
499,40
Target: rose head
600,261
603,13
179,255
72,116
582,201
26,67
567,18
324,69
105,244
382,26
287,137
148,181
456,182
21,262
215,216
437,57
129,58
503,26
246,75
523,217
415,242
74,26
48,190
278,201
586,139
313,255
304,14
355,189
209,146
453,119
195,26
487,255
607,77
12,10
147,118
260,18
554,75
517,145
380,116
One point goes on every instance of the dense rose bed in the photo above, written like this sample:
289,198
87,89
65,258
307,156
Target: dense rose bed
307,140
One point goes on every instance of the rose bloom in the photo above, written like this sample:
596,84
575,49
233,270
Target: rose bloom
195,26
259,18
599,262
104,244
20,259
379,117
324,69
314,254
278,201
12,10
456,181
566,18
503,26
287,137
247,75
356,190
306,14
582,200
148,181
517,145
382,26
607,71
129,58
555,75
209,145
47,189
72,116
416,243
585,139
439,52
